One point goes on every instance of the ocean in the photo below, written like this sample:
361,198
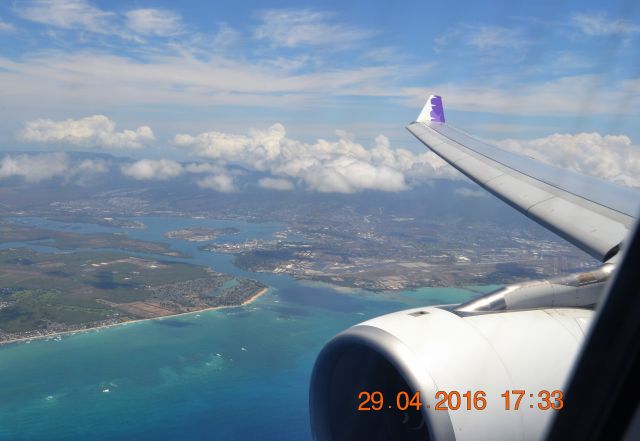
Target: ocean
232,374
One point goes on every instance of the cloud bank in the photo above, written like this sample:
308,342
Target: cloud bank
611,157
152,169
341,166
97,131
34,168
216,176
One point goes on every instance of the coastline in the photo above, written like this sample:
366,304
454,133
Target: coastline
53,335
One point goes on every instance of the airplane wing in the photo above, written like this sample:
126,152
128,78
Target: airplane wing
591,214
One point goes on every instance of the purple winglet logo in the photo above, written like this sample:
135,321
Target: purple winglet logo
437,111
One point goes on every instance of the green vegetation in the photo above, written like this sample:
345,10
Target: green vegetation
66,240
36,309
51,292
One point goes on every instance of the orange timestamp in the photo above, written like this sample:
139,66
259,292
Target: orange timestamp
467,400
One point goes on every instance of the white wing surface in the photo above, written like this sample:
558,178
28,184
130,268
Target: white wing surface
591,214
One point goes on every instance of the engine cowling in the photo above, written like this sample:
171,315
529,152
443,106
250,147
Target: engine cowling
433,349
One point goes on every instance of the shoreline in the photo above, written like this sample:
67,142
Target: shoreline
53,335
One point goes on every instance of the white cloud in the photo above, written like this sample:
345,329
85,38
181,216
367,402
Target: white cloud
97,79
67,14
204,167
81,15
82,79
225,36
152,169
349,175
6,27
276,184
35,168
610,157
150,21
344,134
92,166
600,25
82,171
342,166
469,193
482,40
92,131
299,27
216,176
571,95
221,182
496,37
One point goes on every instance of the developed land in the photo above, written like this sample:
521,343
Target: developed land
199,234
48,293
435,235
398,255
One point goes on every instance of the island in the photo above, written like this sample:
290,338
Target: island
43,294
200,234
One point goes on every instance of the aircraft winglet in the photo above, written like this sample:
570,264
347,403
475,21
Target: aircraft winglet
432,110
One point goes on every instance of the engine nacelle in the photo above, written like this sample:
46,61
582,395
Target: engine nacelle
434,349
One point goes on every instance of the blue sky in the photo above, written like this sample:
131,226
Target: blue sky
519,70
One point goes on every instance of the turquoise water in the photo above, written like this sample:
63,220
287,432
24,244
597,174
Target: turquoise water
233,374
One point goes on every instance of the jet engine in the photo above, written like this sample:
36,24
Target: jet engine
485,370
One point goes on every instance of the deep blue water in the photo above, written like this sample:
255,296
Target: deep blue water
233,374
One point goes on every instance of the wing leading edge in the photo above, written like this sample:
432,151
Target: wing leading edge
591,214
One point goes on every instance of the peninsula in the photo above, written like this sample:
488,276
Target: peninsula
200,234
43,294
